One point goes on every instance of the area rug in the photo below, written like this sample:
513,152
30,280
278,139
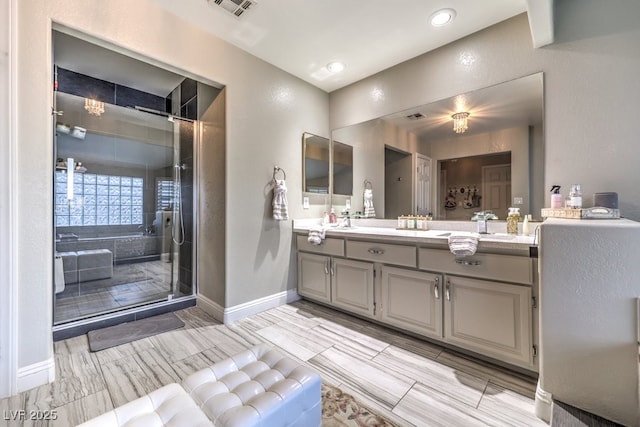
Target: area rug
341,409
123,333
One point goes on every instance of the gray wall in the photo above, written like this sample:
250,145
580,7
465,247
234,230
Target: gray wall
6,246
267,112
591,86
210,253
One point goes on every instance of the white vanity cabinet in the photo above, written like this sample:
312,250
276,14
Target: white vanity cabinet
352,286
412,300
314,279
315,267
489,317
483,303
323,275
488,303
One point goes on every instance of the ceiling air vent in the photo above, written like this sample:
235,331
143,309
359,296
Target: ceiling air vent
415,116
237,8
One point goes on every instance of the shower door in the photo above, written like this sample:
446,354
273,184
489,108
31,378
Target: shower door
123,195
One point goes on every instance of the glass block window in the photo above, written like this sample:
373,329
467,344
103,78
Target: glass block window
164,194
98,200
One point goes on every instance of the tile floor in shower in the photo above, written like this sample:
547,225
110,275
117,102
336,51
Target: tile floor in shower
130,284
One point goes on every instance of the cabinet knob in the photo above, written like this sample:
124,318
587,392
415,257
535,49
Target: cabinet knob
467,262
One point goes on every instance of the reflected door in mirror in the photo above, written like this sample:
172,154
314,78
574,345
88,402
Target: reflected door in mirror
342,169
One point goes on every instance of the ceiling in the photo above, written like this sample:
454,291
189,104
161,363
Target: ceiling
303,36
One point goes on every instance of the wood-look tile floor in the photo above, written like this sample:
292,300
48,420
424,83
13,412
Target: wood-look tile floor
131,284
410,381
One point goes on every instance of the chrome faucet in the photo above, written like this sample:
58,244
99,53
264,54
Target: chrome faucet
346,219
482,222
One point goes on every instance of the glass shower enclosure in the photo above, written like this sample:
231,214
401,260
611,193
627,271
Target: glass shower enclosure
124,201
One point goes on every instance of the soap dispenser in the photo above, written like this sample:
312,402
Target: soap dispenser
556,197
512,220
325,218
332,216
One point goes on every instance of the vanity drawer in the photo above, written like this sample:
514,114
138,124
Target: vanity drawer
504,268
382,252
329,246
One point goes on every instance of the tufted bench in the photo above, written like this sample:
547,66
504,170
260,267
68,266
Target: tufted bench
258,387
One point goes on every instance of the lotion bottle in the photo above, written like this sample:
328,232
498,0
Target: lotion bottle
332,216
525,225
556,197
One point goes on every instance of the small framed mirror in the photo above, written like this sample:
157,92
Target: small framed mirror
342,169
316,157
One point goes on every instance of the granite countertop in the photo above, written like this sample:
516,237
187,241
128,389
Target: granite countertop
437,234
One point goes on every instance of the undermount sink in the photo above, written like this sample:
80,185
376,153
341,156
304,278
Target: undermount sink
498,236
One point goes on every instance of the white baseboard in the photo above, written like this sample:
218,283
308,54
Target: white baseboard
35,375
231,314
543,402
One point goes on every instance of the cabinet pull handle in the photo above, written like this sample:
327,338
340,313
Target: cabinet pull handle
375,251
331,268
436,288
326,267
447,290
467,262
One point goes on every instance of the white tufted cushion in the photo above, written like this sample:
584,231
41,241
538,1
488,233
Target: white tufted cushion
258,387
168,406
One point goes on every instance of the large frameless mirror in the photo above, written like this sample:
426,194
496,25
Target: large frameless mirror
496,161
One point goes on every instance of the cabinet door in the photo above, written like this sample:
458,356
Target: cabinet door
412,300
313,276
352,286
489,317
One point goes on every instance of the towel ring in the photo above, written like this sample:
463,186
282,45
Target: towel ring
368,185
277,169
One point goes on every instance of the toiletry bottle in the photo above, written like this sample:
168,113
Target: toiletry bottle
576,196
332,216
325,218
512,220
525,225
402,222
556,197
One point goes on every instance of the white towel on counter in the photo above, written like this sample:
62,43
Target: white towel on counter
316,235
463,244
369,211
280,204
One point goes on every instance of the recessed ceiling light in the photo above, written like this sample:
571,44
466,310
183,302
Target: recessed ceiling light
442,17
335,67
